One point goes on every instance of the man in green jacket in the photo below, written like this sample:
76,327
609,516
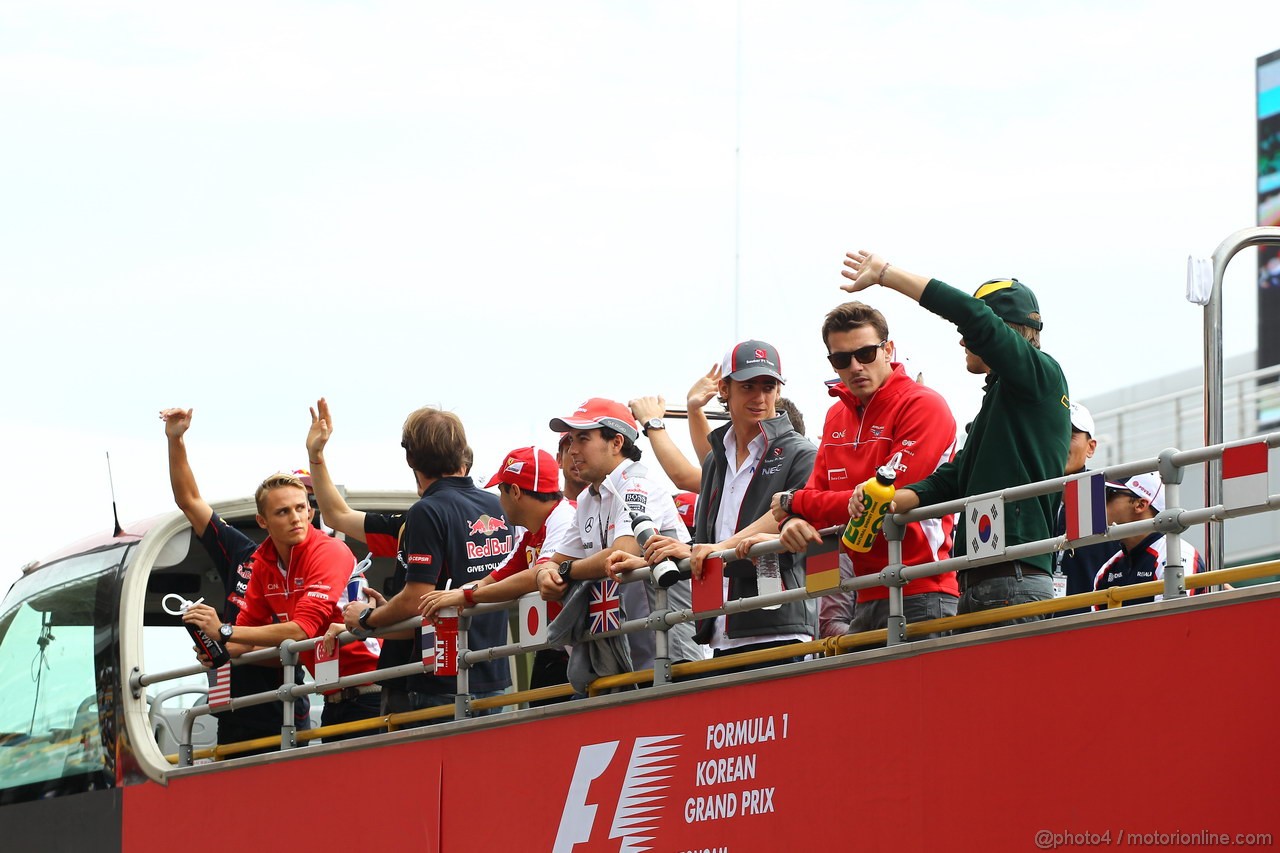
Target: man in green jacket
1022,431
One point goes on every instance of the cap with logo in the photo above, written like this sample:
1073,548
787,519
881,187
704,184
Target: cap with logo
599,412
1012,301
529,468
1081,420
1146,486
686,503
750,359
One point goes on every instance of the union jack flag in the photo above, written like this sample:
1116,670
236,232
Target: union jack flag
605,609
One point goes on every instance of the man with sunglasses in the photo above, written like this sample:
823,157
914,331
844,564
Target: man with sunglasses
1020,435
881,417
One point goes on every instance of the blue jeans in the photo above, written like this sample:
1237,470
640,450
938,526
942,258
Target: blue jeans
874,614
1025,585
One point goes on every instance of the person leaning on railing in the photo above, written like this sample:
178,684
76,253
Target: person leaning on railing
754,456
1019,436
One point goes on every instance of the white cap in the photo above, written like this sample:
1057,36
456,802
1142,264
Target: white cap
1146,486
1081,420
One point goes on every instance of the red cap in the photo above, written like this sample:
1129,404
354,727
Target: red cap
685,505
529,468
599,412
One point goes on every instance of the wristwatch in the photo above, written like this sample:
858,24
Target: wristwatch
224,632
565,568
784,500
653,423
364,619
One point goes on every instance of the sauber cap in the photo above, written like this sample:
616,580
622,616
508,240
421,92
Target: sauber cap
1012,301
529,468
1146,486
1081,420
750,359
599,412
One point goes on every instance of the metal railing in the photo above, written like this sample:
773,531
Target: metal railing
1172,521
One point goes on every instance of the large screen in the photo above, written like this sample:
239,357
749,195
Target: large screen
1269,207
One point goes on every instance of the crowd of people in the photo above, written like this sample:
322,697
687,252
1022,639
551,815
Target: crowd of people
567,526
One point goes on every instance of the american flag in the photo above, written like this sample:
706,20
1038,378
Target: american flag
428,640
605,609
220,692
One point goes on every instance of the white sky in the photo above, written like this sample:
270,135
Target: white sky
507,207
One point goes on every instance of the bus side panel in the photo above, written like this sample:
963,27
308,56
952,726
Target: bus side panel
355,798
86,821
1132,725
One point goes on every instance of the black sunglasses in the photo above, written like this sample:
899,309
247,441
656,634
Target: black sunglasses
864,355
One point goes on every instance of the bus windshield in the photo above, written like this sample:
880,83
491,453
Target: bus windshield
56,648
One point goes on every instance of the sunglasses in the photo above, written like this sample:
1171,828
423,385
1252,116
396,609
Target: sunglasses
864,355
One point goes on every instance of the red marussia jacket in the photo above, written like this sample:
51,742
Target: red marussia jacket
902,419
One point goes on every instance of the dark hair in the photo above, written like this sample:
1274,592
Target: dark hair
793,412
544,497
629,448
851,315
434,442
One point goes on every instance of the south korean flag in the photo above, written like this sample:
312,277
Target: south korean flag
984,528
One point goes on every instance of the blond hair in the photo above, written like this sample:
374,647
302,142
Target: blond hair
275,481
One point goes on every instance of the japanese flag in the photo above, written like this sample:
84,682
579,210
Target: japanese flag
533,619
984,528
326,665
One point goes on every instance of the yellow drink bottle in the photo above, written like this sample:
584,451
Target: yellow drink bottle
877,495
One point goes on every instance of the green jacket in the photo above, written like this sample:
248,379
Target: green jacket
1021,432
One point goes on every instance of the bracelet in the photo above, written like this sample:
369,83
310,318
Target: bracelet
316,461
783,525
469,595
882,272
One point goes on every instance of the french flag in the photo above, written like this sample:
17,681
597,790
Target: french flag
1244,475
1085,502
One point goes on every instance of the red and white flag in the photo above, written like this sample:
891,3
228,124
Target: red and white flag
1085,503
326,665
533,619
220,692
1244,475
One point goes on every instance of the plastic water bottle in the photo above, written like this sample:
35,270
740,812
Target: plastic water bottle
768,576
877,495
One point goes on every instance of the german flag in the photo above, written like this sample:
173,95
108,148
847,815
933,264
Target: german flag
822,565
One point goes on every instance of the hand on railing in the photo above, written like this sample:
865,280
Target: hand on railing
620,562
437,598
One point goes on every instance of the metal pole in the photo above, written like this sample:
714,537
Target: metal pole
288,725
462,698
897,622
661,640
1214,539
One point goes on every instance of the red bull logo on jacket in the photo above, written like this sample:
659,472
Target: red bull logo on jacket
486,525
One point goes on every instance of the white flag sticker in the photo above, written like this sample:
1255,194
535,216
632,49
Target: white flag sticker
533,619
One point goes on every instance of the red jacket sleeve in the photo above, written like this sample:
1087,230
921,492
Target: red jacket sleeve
324,579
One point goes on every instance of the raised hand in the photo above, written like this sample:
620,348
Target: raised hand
705,389
863,269
321,429
176,421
